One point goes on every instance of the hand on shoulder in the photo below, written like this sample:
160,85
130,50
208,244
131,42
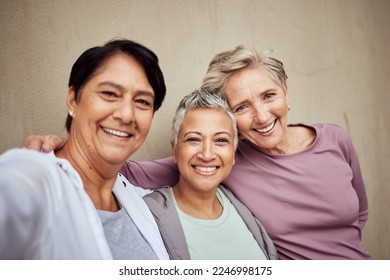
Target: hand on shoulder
45,143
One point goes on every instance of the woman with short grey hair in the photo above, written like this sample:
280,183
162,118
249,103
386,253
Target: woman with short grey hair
198,218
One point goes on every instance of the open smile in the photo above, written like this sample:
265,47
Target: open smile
267,128
115,132
206,169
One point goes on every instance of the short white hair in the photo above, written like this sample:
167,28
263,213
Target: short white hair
201,99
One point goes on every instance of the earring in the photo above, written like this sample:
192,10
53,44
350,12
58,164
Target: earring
288,108
71,113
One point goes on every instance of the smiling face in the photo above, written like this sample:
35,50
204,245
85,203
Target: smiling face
260,106
205,150
114,113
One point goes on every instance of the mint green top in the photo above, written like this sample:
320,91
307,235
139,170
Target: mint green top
225,238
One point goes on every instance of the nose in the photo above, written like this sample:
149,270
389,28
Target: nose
124,111
260,112
207,152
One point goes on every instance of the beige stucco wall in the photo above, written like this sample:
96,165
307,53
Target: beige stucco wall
336,53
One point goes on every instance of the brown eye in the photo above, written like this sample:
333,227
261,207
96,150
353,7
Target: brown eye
108,93
241,109
222,141
143,103
193,139
269,95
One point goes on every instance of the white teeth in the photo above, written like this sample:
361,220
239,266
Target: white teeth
116,132
266,129
206,169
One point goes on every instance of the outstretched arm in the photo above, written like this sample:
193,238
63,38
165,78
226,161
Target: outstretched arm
21,208
151,174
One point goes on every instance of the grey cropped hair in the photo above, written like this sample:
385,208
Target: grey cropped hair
225,64
201,99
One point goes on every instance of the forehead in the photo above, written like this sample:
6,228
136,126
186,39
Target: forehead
124,70
206,120
249,82
248,78
120,62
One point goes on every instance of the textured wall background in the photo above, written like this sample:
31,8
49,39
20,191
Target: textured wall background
336,53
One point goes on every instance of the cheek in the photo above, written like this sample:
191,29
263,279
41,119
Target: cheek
243,124
145,122
231,157
281,107
228,156
182,154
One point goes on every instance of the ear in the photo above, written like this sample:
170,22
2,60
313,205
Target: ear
71,103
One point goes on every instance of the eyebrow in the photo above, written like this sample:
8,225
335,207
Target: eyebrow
107,83
122,88
198,133
267,90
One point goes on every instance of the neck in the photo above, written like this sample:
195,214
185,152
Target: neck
98,180
277,150
296,139
197,204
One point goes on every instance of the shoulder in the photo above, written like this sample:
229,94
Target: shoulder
160,196
225,191
28,181
232,198
160,201
334,137
332,132
327,128
123,182
32,164
22,156
330,127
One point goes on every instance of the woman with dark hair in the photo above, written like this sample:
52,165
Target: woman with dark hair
73,204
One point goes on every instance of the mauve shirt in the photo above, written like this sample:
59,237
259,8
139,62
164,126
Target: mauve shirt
313,203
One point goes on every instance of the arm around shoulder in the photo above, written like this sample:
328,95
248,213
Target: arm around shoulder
151,174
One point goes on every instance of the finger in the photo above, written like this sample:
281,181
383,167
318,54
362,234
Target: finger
52,143
33,142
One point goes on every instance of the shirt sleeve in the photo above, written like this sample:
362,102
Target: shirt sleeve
21,207
358,185
151,174
351,157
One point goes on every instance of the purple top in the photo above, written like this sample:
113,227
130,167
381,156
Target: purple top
313,203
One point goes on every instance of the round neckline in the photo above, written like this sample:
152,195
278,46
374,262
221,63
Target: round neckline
208,222
309,148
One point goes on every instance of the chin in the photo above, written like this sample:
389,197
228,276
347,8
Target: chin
116,157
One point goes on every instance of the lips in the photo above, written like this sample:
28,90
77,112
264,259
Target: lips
267,128
115,132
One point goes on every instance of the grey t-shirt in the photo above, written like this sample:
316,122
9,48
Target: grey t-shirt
125,240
